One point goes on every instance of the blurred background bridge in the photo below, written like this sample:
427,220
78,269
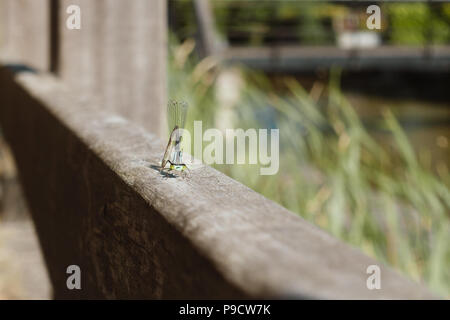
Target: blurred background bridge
287,36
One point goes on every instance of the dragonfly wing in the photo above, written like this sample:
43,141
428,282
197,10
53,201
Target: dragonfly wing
176,112
177,116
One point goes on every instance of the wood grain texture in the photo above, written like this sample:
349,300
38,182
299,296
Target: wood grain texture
97,202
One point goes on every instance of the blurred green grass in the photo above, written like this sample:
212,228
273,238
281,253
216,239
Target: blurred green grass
380,198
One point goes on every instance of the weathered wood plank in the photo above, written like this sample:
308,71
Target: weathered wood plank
97,202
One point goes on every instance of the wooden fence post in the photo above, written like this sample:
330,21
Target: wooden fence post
100,202
119,54
24,32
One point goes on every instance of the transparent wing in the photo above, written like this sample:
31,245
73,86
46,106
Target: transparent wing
176,113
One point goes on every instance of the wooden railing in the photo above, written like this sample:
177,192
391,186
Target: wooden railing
98,201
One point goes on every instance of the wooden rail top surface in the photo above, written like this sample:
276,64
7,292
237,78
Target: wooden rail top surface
99,201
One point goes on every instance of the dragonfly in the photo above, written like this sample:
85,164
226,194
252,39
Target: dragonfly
176,116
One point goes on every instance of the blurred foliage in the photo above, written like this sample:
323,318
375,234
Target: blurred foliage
257,23
380,198
274,21
419,23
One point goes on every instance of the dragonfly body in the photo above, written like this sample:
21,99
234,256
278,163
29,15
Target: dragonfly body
173,154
